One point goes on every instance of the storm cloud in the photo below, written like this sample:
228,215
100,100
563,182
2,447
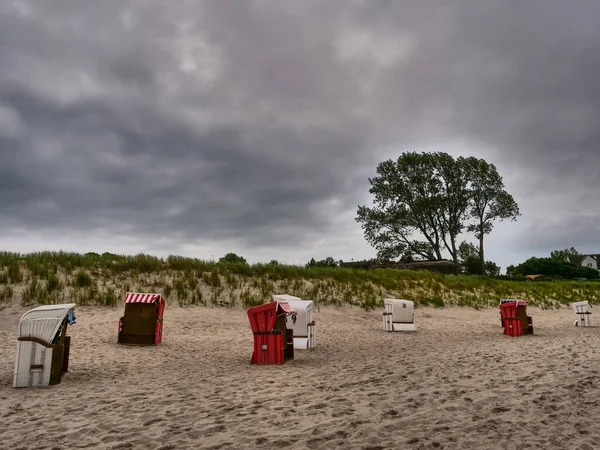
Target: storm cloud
202,127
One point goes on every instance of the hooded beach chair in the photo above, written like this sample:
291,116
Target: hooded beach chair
583,314
273,342
43,345
515,318
142,323
399,315
302,323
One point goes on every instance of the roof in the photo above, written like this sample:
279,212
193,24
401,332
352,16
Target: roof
44,321
285,298
391,301
301,305
578,259
286,307
518,302
133,297
262,318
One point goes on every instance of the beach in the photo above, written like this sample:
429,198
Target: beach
456,383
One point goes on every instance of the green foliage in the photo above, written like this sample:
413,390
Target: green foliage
167,291
82,279
104,282
492,269
181,290
438,302
249,300
489,201
561,255
6,293
422,202
232,258
407,200
108,297
37,293
327,262
53,283
14,273
555,268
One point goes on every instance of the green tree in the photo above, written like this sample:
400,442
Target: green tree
469,258
556,268
563,254
492,269
327,262
489,201
420,194
233,258
454,201
510,271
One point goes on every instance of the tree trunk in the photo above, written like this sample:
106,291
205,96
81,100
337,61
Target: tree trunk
453,251
481,255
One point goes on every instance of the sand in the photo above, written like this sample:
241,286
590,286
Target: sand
457,383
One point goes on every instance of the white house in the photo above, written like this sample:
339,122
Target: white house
592,260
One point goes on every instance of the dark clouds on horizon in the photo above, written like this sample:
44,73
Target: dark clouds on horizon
210,126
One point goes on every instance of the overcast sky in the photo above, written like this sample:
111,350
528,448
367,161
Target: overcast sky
204,127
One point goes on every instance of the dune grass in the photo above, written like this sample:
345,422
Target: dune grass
94,279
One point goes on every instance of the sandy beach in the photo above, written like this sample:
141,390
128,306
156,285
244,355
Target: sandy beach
457,383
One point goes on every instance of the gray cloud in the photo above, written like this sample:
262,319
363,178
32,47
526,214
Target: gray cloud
201,125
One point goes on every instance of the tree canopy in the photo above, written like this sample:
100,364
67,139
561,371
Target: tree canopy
424,201
555,268
233,258
488,201
327,262
563,254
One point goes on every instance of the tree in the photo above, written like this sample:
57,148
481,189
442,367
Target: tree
553,267
232,258
419,194
327,262
510,271
469,261
563,254
455,197
469,258
492,269
489,201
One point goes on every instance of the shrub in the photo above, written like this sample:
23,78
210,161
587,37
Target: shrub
82,279
6,294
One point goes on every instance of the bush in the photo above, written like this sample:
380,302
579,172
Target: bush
82,279
6,294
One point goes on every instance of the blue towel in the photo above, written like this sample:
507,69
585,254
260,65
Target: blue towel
72,318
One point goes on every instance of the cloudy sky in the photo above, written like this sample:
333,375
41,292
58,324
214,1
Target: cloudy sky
203,127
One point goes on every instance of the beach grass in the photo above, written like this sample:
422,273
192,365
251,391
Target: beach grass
103,279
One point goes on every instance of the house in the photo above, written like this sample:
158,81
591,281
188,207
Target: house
591,260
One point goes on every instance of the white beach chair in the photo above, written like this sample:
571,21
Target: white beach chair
399,315
583,314
302,324
42,353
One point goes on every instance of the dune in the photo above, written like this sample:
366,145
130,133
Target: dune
456,383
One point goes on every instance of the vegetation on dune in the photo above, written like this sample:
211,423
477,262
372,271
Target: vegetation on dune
94,279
